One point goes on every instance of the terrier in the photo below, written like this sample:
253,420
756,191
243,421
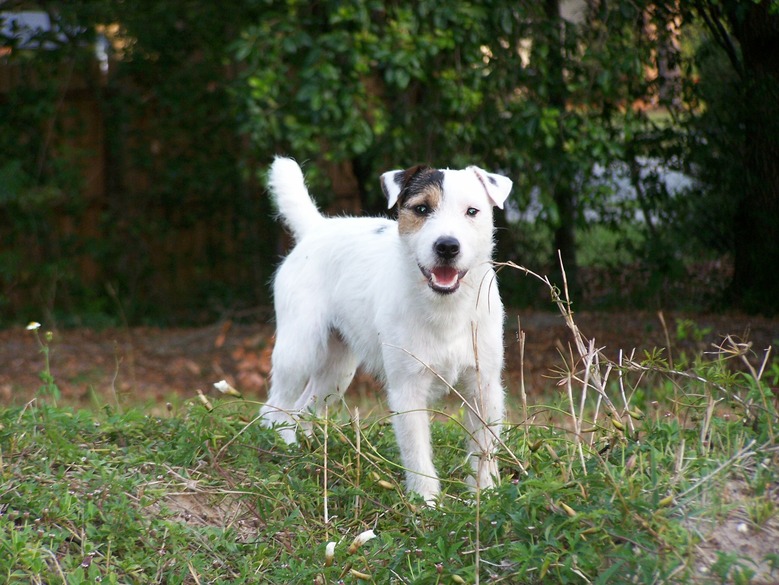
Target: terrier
413,301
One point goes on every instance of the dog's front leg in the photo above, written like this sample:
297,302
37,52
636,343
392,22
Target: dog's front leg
483,421
412,432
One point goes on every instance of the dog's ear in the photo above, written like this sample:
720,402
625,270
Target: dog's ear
497,187
391,186
393,183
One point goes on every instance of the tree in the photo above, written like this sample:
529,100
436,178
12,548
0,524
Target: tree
756,230
563,193
737,132
374,84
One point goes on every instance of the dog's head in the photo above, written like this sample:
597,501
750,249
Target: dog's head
445,218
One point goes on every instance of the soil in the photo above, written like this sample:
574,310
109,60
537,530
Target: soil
738,530
153,366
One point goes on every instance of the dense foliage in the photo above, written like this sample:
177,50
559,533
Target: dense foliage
128,188
508,86
591,114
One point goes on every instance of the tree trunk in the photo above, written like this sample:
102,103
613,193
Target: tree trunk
564,195
755,284
346,189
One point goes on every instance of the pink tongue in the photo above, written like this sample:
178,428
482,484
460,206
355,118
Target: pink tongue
444,276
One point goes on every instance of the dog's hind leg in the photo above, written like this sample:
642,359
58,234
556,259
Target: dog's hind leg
328,384
307,373
296,357
279,409
483,419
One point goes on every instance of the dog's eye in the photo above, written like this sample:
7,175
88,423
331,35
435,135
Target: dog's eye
422,209
472,212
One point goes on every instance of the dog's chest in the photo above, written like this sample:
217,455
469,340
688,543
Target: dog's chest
446,353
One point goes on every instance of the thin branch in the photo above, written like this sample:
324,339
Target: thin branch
721,36
522,393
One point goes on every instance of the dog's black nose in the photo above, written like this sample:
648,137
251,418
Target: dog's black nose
447,247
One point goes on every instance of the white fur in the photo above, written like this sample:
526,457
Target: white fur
351,293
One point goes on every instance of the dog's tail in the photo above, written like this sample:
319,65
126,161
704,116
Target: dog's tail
289,192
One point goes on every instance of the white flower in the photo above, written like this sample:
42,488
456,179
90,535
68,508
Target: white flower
225,388
33,326
360,540
329,553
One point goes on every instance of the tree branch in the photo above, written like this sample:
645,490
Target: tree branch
714,24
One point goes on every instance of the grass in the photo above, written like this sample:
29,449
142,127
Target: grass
633,473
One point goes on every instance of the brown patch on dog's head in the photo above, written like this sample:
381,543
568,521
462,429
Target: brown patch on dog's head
421,193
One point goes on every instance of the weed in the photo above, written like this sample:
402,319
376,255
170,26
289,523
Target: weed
49,387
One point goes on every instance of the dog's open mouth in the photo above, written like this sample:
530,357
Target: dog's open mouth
443,279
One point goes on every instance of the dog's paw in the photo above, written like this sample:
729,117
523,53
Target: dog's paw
427,487
484,481
280,421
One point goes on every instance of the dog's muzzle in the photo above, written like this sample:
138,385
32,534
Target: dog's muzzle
444,278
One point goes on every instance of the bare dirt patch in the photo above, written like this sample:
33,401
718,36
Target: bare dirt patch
151,366
748,528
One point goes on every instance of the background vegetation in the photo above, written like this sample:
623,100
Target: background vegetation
641,136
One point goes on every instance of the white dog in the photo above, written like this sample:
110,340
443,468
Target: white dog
413,301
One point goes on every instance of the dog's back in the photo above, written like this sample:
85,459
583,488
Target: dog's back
289,193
